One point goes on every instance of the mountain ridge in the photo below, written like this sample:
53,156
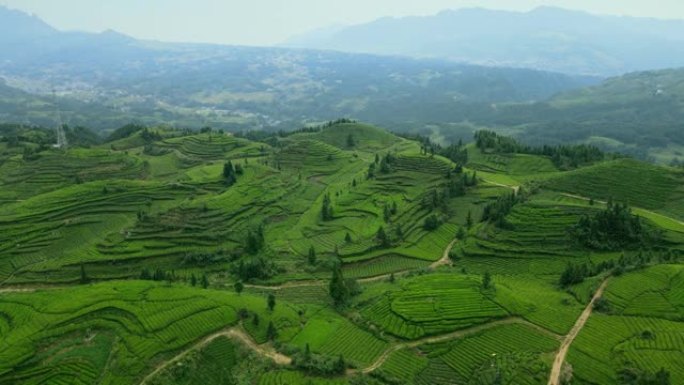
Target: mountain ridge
548,38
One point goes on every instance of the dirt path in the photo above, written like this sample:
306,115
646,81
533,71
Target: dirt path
516,189
444,260
446,337
555,377
17,290
639,208
235,333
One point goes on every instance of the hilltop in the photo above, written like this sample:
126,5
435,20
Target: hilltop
335,254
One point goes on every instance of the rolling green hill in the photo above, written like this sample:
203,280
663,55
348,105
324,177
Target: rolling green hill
338,254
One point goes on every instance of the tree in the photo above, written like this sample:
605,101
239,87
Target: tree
350,141
461,234
239,170
271,302
340,365
326,208
486,281
399,232
229,173
391,278
255,320
469,219
271,332
387,214
84,277
348,238
338,288
431,223
239,287
312,255
193,279
307,353
205,281
382,238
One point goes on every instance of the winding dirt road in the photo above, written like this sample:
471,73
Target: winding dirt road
555,376
235,333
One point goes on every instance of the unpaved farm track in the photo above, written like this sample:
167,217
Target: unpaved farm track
235,333
554,379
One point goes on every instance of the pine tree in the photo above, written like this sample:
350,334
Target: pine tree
340,365
348,238
469,219
312,256
255,320
205,281
350,141
307,353
84,277
193,280
271,332
326,208
487,281
338,288
382,238
239,287
271,302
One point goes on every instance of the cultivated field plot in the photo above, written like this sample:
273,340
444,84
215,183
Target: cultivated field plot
113,332
514,354
635,183
434,304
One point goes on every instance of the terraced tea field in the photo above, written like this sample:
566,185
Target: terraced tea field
340,254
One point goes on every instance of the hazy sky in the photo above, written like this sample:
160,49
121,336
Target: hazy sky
266,22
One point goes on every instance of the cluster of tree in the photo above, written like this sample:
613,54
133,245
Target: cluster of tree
340,289
263,136
318,364
457,153
327,212
496,211
562,156
203,258
635,376
455,186
575,273
255,240
614,228
231,173
150,136
383,164
170,276
252,268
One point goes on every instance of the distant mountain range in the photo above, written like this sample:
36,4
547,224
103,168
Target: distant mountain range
545,38
106,80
